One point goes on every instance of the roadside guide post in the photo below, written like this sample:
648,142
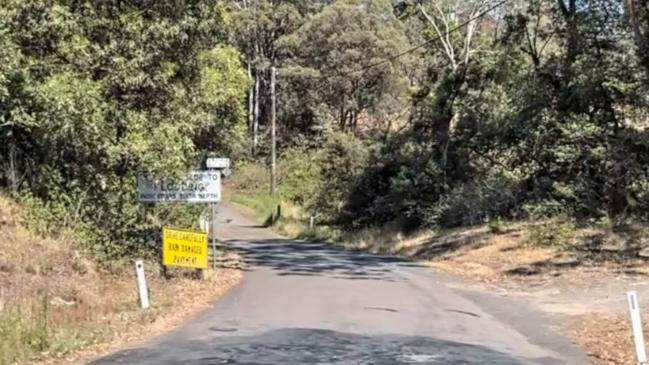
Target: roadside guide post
636,325
142,290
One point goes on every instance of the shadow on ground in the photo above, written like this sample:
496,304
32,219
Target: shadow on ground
618,249
309,346
303,258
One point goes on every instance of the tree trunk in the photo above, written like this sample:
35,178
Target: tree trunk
251,102
13,173
443,116
573,46
638,14
255,121
273,141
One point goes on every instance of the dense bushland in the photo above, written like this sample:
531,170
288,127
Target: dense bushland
91,93
407,113
482,111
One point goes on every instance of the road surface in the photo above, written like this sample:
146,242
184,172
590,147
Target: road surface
310,303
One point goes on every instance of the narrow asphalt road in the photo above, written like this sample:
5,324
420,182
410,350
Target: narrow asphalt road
311,303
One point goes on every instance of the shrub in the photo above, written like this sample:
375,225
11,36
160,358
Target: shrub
496,225
299,172
341,163
474,202
543,208
557,232
249,177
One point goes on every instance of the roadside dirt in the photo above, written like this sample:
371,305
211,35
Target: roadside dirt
133,327
58,305
174,301
582,283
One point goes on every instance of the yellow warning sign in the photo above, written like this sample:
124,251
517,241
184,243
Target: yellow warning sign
185,248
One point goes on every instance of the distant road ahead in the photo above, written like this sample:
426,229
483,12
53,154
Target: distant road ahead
309,303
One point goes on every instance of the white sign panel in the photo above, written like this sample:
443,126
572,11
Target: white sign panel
217,163
197,187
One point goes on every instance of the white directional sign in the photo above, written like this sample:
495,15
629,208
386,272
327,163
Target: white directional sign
217,163
196,187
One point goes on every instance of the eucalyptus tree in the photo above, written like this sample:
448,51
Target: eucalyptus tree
348,59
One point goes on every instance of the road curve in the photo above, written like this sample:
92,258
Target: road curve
311,303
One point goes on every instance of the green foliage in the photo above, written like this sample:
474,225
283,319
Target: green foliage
317,182
344,37
341,164
496,225
517,131
299,172
474,202
261,203
95,93
537,112
604,223
558,232
397,184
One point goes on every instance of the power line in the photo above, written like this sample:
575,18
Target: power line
412,49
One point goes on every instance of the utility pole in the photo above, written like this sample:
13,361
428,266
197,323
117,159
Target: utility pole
273,167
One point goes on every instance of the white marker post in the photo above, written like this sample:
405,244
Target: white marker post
214,214
311,225
141,284
636,324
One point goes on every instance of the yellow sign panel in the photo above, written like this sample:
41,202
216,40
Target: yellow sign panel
184,248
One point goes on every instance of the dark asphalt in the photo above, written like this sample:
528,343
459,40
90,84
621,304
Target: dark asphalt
311,303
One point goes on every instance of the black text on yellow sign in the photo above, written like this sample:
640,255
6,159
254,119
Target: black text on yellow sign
184,248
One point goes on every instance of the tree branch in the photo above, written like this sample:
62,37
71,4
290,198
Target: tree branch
448,49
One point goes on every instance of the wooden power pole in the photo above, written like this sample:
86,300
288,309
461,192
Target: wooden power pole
273,166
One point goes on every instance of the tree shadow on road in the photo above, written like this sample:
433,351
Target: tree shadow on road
304,258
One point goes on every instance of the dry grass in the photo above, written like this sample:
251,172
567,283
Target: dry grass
56,301
583,277
607,338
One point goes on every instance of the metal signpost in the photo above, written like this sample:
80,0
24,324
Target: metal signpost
220,165
182,247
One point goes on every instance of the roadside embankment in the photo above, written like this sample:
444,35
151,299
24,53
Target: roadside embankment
59,304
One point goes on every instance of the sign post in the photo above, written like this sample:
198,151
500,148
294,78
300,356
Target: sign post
183,247
221,166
